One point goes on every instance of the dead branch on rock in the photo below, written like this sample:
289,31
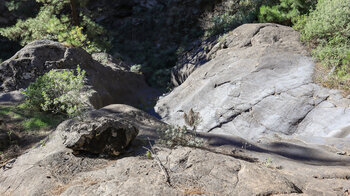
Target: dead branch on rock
162,167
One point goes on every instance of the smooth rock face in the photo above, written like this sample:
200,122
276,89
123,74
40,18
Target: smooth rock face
110,83
192,172
258,83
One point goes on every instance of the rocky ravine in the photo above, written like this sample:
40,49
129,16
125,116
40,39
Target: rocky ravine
271,132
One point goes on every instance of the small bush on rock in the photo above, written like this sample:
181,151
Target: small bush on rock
58,92
179,136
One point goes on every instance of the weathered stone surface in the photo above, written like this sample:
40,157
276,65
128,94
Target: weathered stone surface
227,167
108,60
106,131
53,170
145,123
259,83
99,136
12,97
110,84
192,171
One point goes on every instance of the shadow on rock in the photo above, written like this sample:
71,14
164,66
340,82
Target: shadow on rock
307,155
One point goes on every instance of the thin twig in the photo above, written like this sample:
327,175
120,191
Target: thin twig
162,167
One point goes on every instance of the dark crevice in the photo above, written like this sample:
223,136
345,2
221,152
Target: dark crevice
345,177
296,123
297,189
229,119
222,83
249,44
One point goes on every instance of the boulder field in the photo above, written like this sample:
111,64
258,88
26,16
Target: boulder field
267,129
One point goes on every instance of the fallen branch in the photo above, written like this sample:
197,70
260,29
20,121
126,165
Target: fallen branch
162,167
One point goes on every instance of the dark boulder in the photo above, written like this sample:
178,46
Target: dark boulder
108,130
6,139
103,135
110,83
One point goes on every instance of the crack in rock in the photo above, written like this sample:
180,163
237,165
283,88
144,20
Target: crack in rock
300,120
232,117
229,119
222,83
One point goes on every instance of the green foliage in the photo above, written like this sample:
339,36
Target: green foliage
30,119
148,154
58,92
245,13
97,37
12,5
20,7
327,30
285,12
51,23
268,162
4,110
34,123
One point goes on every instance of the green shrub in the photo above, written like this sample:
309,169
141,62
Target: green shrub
286,12
179,136
51,23
58,92
327,30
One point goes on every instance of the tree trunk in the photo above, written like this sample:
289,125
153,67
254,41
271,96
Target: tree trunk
75,12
